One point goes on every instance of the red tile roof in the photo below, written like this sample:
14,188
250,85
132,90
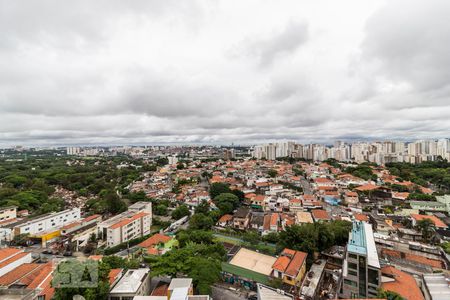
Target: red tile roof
274,219
437,222
37,279
413,257
90,218
320,214
47,289
13,259
322,180
95,257
361,217
113,273
155,240
405,285
160,290
8,252
296,263
225,218
290,262
281,263
367,187
19,272
266,225
128,220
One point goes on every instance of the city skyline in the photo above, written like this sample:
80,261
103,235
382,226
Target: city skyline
222,72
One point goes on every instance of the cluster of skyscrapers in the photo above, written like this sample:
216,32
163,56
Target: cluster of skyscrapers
377,152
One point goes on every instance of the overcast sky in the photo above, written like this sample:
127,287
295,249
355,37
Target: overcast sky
171,71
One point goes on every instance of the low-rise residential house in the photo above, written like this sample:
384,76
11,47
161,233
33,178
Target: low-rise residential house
258,202
11,258
8,213
225,220
324,182
320,215
304,217
287,220
430,206
436,221
257,221
135,282
381,224
266,224
282,204
241,218
402,196
158,244
409,234
274,219
28,281
265,292
361,217
351,198
290,266
295,205
310,205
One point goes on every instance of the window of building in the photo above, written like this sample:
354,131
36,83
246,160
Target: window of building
354,256
352,266
373,276
350,282
353,273
362,276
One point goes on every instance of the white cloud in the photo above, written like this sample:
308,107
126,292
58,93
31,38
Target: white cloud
222,71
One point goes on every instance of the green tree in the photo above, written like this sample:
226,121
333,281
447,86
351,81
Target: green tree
15,180
426,227
114,204
160,210
226,202
114,262
137,196
162,161
315,237
389,295
271,237
272,173
201,262
200,221
185,237
218,188
180,212
202,208
251,237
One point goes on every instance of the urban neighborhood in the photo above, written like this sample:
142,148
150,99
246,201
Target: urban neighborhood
274,221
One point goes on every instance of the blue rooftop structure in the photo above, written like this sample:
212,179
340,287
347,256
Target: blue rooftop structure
332,200
357,241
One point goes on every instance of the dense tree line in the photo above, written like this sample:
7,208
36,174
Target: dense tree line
435,172
315,237
30,184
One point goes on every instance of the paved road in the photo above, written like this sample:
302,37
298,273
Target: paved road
306,186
